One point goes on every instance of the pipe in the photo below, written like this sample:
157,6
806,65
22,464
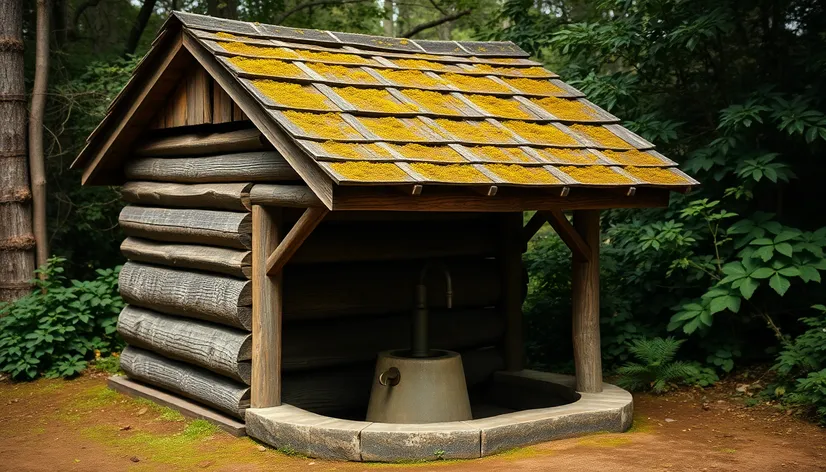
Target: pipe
419,343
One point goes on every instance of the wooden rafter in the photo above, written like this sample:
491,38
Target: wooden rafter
533,225
293,240
568,234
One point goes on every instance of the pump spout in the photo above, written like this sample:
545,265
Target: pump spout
419,344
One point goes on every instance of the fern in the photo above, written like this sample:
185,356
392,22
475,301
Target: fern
656,369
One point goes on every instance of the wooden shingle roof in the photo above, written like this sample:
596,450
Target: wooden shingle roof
371,110
376,110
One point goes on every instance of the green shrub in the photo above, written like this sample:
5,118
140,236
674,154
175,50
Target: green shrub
656,370
56,330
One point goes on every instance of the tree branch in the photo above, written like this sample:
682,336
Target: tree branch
431,24
315,3
140,24
80,9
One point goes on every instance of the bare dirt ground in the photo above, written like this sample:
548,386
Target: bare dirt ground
80,425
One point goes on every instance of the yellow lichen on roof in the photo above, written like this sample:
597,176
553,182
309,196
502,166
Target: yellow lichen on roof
355,150
471,83
520,71
522,174
566,108
250,50
322,125
433,153
341,73
459,173
570,156
656,175
221,34
602,136
370,171
506,107
411,78
440,103
541,133
324,56
419,64
475,131
504,154
271,67
595,175
634,157
374,100
391,129
292,95
534,86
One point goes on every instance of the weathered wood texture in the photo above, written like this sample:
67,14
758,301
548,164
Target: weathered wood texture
367,288
222,350
189,104
202,143
268,305
309,170
239,167
17,262
209,227
336,241
223,300
506,200
585,304
294,238
316,344
510,260
298,196
192,382
221,260
209,196
185,407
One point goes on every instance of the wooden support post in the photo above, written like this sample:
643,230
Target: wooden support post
267,307
512,284
292,241
585,288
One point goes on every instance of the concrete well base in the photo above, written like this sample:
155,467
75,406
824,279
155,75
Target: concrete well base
332,438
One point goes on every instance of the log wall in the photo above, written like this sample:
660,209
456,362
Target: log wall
348,292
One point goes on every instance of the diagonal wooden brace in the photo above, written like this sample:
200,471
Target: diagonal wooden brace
569,235
295,238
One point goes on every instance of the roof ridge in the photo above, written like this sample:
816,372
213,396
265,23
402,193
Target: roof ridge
340,38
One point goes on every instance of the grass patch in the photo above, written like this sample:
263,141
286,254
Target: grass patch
727,450
199,429
640,425
604,440
164,412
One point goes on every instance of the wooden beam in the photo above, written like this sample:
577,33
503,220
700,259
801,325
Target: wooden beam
294,196
585,303
304,165
293,240
267,312
533,225
568,234
506,200
512,281
201,144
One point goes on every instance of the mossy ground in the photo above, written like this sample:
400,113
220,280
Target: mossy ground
80,425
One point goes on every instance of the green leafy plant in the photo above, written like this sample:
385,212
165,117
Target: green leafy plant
656,368
58,328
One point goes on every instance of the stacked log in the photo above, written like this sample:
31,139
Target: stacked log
348,291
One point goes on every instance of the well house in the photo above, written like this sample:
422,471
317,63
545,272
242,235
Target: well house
285,188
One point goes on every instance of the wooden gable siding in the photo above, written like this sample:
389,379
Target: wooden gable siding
197,100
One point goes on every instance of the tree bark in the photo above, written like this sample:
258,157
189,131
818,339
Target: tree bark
37,160
16,238
140,24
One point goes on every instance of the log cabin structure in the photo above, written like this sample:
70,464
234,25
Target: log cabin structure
284,187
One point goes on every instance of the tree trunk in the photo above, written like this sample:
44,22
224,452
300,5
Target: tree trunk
16,238
140,24
223,9
37,161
